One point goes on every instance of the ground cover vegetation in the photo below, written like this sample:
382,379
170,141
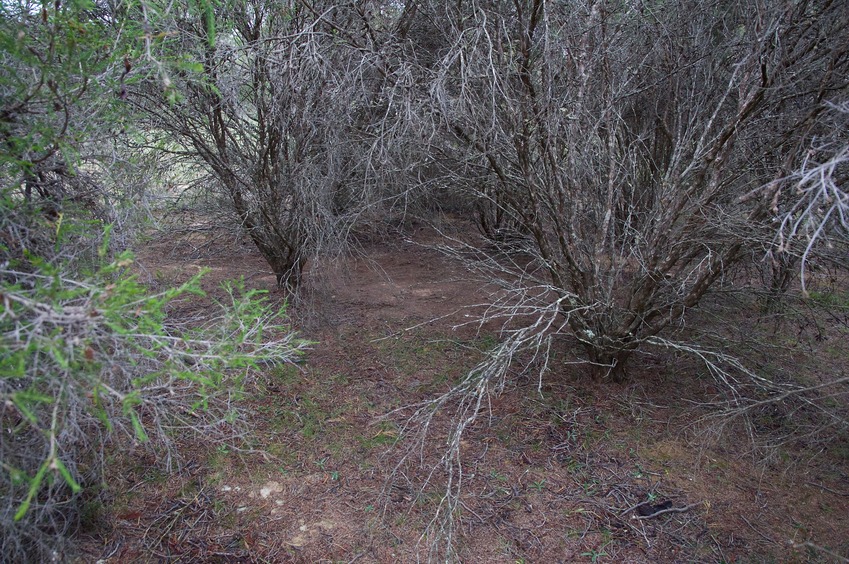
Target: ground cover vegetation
637,181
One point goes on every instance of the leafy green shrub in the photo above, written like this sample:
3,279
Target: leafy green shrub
87,358
91,364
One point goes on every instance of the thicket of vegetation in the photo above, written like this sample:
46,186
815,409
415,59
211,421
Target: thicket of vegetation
90,361
622,158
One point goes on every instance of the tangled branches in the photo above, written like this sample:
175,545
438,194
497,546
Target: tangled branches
86,360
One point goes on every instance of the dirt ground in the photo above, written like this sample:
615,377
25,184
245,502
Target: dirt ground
584,471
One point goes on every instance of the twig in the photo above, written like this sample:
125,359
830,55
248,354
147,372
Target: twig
809,544
356,557
829,490
756,530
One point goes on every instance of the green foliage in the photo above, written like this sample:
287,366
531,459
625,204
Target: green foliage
103,348
835,301
87,353
387,434
59,56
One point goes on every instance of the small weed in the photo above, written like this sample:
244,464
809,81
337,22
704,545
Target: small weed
589,487
595,554
575,467
496,475
538,485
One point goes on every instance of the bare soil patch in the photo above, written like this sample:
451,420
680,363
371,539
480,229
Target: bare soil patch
584,472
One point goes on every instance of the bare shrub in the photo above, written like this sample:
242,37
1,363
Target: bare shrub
624,142
294,111
813,202
627,147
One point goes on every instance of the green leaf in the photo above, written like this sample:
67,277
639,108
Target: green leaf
59,356
22,400
208,20
99,410
137,427
34,485
25,411
63,470
104,246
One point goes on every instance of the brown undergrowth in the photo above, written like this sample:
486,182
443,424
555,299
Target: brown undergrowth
572,470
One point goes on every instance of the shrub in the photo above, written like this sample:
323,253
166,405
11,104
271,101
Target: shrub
85,358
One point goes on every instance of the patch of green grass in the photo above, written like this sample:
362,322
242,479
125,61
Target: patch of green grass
338,447
830,300
154,475
221,463
224,514
189,489
311,418
412,353
385,434
836,351
281,452
277,417
428,500
92,513
286,374
340,379
486,343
